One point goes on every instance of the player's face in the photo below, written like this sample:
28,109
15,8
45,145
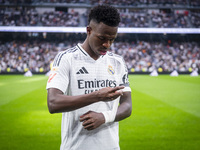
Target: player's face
100,38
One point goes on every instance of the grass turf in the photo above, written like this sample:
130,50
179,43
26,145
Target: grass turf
166,114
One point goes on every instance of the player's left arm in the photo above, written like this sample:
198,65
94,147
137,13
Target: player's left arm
92,120
125,108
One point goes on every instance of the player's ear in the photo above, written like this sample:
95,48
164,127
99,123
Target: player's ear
89,29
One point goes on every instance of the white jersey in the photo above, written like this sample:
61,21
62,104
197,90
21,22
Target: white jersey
76,73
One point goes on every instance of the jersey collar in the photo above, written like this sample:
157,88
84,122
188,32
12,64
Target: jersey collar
87,55
81,49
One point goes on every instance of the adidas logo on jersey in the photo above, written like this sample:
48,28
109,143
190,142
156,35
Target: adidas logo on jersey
82,71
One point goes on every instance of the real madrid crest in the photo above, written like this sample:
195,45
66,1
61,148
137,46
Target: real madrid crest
111,70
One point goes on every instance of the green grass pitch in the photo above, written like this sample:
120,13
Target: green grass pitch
165,116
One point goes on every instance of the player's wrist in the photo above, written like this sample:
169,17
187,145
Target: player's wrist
103,118
98,96
109,116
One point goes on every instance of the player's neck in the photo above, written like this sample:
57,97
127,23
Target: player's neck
87,48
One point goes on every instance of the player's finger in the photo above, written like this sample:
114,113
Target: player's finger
89,127
120,92
87,122
116,93
84,117
117,88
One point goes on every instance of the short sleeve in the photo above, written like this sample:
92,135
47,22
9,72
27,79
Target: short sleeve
59,76
124,74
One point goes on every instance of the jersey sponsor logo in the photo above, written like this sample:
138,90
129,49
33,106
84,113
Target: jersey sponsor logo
111,70
95,85
82,71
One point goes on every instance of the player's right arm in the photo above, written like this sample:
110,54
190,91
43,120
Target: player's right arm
58,102
58,84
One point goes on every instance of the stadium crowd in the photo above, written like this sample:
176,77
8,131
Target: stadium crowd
30,16
114,2
36,56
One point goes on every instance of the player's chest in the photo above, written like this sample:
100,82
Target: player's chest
85,70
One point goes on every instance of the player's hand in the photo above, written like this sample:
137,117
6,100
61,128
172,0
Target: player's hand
109,94
92,120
